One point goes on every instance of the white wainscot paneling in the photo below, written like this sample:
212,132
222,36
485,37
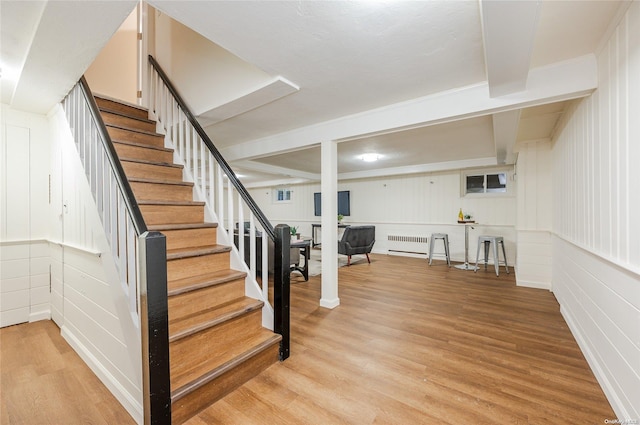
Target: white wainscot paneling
14,251
57,291
15,300
601,303
533,267
14,268
39,265
24,282
14,286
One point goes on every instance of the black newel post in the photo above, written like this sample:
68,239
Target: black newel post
155,330
281,290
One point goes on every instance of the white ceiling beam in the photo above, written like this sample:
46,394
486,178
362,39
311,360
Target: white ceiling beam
561,81
505,133
421,168
508,31
273,169
381,172
275,182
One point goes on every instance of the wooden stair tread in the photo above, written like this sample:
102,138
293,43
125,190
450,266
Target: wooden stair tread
146,161
159,181
134,130
184,226
219,363
141,145
124,114
104,97
216,340
198,251
180,327
179,286
174,203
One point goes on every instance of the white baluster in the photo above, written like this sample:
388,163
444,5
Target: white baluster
241,231
203,175
230,207
265,266
211,182
220,184
131,269
195,165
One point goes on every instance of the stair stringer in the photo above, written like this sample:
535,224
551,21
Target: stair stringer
252,288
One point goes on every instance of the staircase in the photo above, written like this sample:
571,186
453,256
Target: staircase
216,338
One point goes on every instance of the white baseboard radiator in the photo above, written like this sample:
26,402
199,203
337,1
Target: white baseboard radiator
407,244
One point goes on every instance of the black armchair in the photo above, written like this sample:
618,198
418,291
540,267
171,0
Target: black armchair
357,240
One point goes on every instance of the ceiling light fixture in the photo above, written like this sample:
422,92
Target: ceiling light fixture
370,157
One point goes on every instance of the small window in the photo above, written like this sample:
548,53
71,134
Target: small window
496,183
475,184
485,182
281,194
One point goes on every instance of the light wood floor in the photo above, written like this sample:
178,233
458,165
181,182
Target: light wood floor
411,344
408,344
43,381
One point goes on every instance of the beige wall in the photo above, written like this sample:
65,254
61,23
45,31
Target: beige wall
207,75
114,72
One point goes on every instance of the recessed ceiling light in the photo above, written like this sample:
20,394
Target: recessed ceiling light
370,157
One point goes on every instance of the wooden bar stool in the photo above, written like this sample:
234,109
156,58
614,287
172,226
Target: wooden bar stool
486,241
445,239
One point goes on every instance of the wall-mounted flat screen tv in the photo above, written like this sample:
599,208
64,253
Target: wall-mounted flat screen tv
344,203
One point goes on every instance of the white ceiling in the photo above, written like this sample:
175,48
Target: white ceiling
46,46
429,85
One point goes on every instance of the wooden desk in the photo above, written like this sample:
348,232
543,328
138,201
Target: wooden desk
313,232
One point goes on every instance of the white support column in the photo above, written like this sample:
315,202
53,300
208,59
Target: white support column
329,187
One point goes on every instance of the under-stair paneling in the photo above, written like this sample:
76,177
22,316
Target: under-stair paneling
89,300
24,179
596,254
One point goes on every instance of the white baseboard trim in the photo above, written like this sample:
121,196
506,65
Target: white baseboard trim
39,315
601,376
125,398
329,303
407,254
532,284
